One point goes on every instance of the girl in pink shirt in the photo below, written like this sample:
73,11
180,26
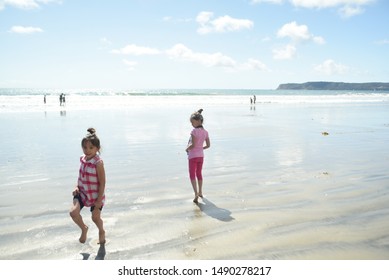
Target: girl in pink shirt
90,188
195,151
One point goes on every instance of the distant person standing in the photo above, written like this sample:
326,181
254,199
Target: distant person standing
255,98
44,99
62,100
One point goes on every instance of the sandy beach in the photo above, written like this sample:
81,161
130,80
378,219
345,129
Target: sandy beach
276,186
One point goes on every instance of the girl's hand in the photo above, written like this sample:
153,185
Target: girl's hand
98,204
76,191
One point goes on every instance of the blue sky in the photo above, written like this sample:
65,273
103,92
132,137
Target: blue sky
142,44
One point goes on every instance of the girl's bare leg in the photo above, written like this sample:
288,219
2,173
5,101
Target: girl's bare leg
77,218
194,185
96,218
200,182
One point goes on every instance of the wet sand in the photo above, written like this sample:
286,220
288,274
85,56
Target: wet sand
275,186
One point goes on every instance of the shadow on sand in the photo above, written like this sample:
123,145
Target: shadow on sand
100,254
215,212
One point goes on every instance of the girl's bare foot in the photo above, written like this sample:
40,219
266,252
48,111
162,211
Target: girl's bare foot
101,237
201,195
84,233
196,199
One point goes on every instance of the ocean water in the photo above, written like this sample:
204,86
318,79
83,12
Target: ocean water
276,187
13,100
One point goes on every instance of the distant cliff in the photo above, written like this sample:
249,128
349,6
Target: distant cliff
335,86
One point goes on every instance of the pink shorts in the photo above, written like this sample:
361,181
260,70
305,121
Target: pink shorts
195,168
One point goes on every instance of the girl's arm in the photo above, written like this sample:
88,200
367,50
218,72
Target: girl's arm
207,143
76,190
191,146
101,177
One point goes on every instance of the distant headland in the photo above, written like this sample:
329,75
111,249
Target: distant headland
335,86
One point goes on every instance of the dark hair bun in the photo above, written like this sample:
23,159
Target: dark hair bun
91,130
200,111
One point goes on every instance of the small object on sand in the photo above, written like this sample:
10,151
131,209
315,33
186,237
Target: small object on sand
325,133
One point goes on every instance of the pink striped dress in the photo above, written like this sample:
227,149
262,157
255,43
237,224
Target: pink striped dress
88,183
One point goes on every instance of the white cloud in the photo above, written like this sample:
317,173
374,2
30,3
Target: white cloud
220,24
26,4
181,52
22,4
382,42
294,31
287,52
319,4
136,50
266,39
175,20
346,8
254,64
318,40
267,1
330,67
25,29
204,17
350,11
130,64
298,33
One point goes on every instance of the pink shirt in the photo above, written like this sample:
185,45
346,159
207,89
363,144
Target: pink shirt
88,182
200,134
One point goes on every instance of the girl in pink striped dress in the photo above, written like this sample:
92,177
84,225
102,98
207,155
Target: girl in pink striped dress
90,188
195,151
